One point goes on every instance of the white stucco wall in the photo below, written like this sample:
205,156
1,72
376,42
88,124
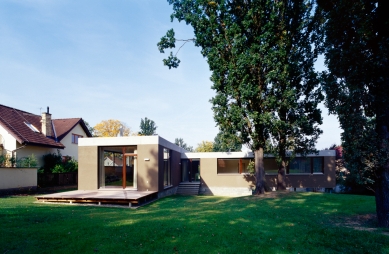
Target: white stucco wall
70,148
9,142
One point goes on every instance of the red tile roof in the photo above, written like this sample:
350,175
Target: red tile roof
15,122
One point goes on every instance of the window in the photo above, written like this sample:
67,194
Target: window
318,163
75,138
270,165
308,165
166,168
32,127
232,166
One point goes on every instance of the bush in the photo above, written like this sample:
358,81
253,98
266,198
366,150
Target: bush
27,162
70,166
58,169
50,160
55,163
3,160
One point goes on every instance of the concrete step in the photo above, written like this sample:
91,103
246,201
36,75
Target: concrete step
188,188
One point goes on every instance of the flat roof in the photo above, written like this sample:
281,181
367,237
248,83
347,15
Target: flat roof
128,141
157,140
249,155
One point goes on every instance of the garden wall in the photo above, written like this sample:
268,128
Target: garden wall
18,179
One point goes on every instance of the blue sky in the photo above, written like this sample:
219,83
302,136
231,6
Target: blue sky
98,60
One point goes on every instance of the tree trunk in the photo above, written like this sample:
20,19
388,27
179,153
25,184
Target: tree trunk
281,176
259,172
382,184
382,198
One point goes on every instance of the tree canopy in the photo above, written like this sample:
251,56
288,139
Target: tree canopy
180,142
261,56
147,127
226,143
356,48
111,128
204,147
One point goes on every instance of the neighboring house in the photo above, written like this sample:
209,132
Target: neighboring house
155,164
23,134
113,161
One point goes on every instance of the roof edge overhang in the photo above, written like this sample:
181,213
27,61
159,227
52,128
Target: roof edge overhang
13,134
129,141
242,155
43,145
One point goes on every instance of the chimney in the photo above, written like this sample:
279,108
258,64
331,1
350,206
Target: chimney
46,124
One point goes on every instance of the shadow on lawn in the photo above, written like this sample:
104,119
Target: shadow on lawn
295,223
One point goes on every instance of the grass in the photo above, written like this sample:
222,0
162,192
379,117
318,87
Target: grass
293,223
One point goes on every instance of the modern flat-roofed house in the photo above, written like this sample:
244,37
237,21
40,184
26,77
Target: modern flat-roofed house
151,163
23,134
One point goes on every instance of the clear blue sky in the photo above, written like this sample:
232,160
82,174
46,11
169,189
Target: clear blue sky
98,60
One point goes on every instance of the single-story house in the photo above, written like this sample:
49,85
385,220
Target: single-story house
23,134
151,163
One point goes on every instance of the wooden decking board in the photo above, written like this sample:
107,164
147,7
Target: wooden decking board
112,197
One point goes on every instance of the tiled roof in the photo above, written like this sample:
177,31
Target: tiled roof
64,126
15,122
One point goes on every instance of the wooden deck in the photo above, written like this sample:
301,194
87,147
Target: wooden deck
123,197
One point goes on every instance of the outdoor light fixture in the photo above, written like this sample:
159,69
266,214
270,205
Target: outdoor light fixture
147,159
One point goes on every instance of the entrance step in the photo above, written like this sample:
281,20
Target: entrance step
188,188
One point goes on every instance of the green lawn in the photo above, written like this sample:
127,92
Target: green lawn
294,223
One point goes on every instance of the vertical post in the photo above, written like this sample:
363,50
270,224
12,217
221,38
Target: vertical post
240,166
135,170
124,168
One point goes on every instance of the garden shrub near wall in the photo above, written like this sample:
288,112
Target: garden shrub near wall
56,163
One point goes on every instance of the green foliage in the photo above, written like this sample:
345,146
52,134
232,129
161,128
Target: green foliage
261,57
180,142
27,162
70,166
58,169
167,41
50,160
3,160
147,127
356,49
357,82
55,163
205,147
224,142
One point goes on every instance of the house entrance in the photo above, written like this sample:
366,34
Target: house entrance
118,167
190,170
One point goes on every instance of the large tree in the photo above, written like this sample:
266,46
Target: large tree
111,128
261,57
147,127
357,86
204,147
181,143
225,142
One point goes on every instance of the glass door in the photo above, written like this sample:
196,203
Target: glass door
118,167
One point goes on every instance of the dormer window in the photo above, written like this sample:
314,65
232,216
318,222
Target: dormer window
32,127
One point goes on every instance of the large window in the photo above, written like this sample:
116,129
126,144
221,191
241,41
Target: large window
232,166
300,165
166,168
118,167
308,165
270,165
